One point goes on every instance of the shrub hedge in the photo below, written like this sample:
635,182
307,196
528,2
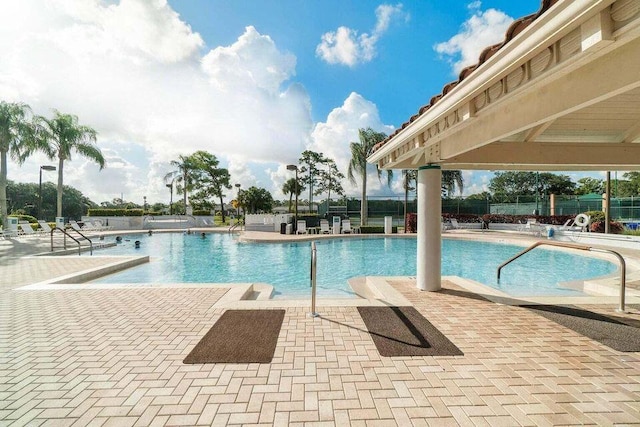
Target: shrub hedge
115,212
412,223
376,229
29,218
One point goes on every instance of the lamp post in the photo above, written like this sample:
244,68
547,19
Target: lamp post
238,199
295,222
46,168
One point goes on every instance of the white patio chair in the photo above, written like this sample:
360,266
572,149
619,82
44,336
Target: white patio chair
532,226
346,226
301,227
324,227
44,226
75,226
454,224
26,228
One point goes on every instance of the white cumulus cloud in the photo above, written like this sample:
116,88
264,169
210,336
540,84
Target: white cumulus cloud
482,29
140,76
332,137
344,46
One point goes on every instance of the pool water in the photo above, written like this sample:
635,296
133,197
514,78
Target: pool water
221,258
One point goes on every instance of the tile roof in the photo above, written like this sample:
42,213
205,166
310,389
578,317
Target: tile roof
514,29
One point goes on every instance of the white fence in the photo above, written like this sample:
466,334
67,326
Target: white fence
266,222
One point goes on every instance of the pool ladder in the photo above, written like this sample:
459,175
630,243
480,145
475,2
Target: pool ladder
233,227
66,234
623,265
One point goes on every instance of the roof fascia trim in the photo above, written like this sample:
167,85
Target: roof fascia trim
558,20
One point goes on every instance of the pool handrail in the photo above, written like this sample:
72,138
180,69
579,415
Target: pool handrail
314,270
66,234
623,265
238,223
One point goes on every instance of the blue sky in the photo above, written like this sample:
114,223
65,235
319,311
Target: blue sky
406,70
253,82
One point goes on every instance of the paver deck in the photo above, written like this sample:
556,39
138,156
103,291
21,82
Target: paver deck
113,357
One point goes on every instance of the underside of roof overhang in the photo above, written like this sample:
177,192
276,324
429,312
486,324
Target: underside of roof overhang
563,95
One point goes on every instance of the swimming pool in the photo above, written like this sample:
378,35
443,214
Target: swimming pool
221,258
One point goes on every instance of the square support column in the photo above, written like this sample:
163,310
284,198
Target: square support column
429,238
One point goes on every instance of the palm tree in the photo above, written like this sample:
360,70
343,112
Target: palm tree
450,180
358,164
292,187
182,175
16,140
62,135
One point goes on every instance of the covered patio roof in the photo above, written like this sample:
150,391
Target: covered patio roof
562,92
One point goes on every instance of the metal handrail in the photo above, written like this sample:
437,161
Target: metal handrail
239,223
623,265
314,270
64,232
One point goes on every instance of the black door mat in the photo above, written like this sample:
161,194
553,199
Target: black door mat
240,336
403,331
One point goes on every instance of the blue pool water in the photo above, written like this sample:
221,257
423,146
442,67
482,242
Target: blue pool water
221,258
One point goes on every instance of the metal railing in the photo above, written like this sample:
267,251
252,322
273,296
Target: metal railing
66,234
623,265
314,269
239,223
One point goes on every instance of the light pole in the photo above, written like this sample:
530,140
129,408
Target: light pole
170,187
295,222
46,168
238,199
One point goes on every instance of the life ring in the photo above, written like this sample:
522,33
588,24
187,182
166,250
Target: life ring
582,220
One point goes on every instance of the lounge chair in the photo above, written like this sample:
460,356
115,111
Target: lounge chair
301,227
346,226
44,226
324,227
74,225
7,234
570,225
454,224
532,226
26,228
99,226
92,226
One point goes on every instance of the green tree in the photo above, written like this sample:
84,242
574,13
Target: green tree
450,180
358,164
24,197
485,195
507,185
631,186
209,179
255,200
292,187
310,171
589,185
182,175
330,180
62,135
16,141
553,183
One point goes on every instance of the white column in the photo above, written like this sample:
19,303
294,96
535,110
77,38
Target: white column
429,228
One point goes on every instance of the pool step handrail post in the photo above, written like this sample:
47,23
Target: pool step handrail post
623,264
313,280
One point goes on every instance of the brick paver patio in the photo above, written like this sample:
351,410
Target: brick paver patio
113,357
